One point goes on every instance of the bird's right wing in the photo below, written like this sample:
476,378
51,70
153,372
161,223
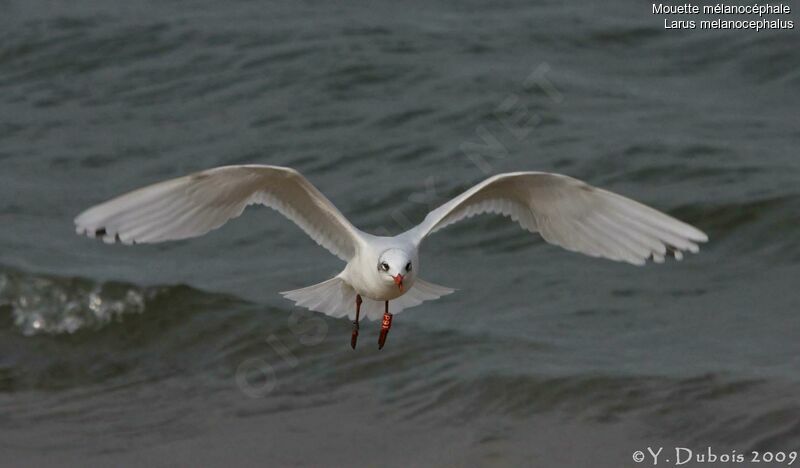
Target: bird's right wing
572,214
191,206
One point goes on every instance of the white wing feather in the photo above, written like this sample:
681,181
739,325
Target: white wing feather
572,214
191,206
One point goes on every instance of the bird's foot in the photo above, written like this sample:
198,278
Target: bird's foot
354,337
386,324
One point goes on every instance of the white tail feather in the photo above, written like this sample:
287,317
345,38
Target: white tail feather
336,298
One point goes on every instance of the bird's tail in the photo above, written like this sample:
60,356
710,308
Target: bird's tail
338,299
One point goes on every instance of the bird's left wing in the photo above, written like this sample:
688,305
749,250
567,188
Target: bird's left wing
195,204
572,214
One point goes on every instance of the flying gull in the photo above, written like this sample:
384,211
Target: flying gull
564,211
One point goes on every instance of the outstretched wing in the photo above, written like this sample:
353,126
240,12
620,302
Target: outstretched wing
572,214
191,206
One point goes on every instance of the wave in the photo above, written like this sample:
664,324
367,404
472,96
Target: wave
61,332
99,337
41,304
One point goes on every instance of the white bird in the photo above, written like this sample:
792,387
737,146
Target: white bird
563,210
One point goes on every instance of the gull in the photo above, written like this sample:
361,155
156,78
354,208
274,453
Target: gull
564,211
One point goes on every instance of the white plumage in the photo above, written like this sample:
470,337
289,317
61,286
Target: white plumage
565,211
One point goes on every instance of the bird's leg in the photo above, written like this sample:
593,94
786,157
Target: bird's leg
386,324
354,337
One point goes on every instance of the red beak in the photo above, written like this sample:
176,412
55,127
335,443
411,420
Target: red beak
398,280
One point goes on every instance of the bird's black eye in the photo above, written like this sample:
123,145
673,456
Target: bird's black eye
408,267
384,266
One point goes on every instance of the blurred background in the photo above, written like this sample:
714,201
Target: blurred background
184,354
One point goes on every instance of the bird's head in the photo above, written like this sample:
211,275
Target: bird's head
397,266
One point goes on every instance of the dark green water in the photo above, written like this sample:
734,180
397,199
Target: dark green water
127,356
